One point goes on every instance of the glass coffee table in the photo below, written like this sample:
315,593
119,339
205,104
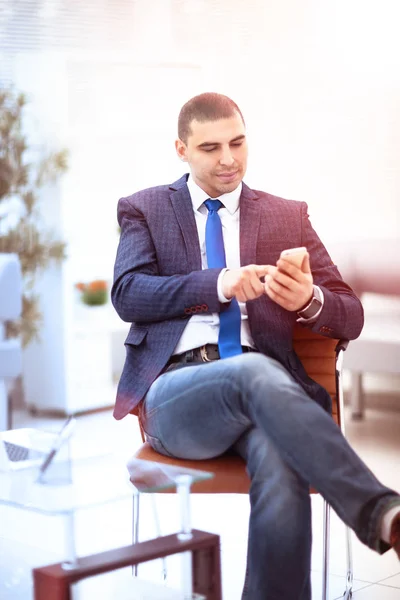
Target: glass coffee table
100,480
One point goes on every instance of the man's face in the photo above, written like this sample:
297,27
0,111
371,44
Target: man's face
217,154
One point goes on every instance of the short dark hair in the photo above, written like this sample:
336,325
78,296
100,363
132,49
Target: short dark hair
205,107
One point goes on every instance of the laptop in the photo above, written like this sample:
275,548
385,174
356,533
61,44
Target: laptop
24,448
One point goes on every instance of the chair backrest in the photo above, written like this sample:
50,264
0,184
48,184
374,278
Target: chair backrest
318,356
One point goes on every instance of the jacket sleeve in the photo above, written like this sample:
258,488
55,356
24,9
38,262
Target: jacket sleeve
139,293
342,315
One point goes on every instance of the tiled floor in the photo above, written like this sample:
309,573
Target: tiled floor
36,539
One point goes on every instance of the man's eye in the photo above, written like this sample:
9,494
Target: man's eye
237,143
209,149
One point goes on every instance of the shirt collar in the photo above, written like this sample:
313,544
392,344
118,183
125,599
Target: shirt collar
198,196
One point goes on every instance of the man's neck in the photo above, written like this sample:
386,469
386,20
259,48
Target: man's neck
198,196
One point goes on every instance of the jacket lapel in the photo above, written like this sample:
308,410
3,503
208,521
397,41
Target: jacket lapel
183,208
249,225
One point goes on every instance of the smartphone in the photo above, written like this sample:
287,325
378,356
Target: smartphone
295,255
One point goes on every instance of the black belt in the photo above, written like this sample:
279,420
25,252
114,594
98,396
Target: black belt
206,353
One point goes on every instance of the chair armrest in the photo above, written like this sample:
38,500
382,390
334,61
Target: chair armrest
341,345
340,349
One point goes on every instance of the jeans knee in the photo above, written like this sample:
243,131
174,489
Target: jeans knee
254,371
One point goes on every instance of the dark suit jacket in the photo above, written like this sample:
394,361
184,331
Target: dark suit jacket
159,282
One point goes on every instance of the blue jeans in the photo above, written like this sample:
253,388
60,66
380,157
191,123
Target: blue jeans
252,404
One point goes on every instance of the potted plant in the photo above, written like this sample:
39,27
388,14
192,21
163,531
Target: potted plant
21,227
94,293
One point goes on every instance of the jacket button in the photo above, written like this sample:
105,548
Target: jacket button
187,311
204,307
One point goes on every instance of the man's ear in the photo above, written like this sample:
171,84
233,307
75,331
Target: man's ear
180,148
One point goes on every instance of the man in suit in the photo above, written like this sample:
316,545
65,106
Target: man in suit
210,363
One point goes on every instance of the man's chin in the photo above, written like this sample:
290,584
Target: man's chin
229,186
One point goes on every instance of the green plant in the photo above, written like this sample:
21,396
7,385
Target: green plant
21,232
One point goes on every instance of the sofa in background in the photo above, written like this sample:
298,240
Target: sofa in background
372,268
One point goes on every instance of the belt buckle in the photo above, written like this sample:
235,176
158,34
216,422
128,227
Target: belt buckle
204,355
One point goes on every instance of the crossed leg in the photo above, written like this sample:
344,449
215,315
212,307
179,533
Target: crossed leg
288,441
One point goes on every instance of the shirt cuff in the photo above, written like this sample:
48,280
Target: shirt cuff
221,296
315,317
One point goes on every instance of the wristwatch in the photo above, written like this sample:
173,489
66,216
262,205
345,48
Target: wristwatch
314,306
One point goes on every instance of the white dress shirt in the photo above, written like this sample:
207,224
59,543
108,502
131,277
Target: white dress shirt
204,328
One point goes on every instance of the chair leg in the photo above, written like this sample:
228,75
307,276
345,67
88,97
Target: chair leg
349,575
135,529
164,572
325,572
135,525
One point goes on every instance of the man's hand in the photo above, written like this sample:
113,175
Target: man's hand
244,283
289,286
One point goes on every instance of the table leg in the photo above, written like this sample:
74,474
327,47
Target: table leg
164,572
183,488
70,549
135,525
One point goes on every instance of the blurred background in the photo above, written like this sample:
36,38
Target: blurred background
318,84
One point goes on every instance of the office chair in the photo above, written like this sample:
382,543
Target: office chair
322,359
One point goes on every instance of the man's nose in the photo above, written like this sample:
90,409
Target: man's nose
226,157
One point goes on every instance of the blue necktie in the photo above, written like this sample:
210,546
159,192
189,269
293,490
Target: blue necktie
230,317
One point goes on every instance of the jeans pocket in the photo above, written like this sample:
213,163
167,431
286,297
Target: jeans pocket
157,444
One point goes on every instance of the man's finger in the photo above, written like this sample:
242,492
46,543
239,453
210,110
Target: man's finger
262,270
285,266
284,280
252,287
282,290
305,266
257,285
278,298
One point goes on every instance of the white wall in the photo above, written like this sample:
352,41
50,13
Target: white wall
318,82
